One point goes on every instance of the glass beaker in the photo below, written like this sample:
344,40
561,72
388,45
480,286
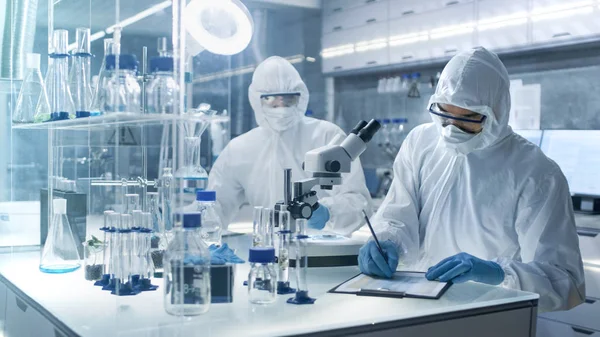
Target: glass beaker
93,251
59,254
99,99
194,176
32,91
79,79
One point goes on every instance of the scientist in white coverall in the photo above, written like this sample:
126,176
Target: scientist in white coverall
473,201
250,168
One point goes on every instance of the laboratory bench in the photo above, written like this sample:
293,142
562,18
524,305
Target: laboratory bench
39,304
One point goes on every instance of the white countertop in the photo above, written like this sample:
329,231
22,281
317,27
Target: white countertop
89,311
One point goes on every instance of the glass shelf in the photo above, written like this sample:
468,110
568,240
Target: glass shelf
119,119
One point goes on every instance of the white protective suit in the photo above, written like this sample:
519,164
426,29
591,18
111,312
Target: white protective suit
250,168
496,196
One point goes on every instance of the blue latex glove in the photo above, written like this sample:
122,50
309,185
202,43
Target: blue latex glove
371,262
319,218
223,254
463,267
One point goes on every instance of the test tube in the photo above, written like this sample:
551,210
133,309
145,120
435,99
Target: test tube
106,229
256,227
132,203
267,227
137,243
153,209
126,248
114,245
146,231
301,265
283,284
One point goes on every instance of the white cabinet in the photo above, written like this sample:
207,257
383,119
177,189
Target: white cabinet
371,13
548,328
24,321
403,8
592,281
369,48
331,7
584,315
554,20
502,23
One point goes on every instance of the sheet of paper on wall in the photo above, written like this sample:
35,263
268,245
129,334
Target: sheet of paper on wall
525,113
410,284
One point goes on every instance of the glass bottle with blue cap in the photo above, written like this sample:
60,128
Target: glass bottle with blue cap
262,279
187,269
123,92
162,89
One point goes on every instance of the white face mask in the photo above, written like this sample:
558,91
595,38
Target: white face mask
454,135
280,119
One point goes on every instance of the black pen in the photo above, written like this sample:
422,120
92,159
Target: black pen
375,237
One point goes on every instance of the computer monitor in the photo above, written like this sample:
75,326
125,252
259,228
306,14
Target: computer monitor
577,152
534,136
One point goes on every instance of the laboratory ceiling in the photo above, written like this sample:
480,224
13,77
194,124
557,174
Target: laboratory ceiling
101,14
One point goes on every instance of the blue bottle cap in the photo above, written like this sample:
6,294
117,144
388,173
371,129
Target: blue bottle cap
416,75
400,120
406,76
386,121
161,63
126,62
203,195
262,255
190,220
309,113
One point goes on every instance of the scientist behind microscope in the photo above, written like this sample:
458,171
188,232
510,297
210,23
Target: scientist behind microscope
250,168
473,201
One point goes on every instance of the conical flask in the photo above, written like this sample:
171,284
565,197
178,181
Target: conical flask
32,91
61,101
79,78
42,113
59,254
100,90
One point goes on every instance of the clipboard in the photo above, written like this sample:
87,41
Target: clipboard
404,284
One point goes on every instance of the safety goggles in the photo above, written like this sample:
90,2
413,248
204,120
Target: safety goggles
446,117
280,100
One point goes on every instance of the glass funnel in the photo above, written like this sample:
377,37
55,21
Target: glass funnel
79,79
32,91
59,254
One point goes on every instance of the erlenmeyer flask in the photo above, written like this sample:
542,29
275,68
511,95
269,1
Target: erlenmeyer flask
42,113
59,254
100,90
61,100
32,91
79,79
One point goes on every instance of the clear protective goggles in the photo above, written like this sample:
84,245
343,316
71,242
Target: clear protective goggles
447,117
279,100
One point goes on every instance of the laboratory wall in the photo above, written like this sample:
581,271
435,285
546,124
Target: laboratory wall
568,78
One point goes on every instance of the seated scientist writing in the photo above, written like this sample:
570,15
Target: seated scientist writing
473,201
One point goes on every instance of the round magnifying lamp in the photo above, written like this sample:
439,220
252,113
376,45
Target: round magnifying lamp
223,27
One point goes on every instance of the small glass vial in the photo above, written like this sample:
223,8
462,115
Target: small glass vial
262,279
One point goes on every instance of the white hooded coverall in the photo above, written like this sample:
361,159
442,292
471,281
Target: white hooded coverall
497,196
250,168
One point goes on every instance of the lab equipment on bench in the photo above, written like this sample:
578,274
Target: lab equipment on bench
283,255
59,254
80,78
166,190
301,265
257,236
187,269
32,93
262,279
325,165
211,223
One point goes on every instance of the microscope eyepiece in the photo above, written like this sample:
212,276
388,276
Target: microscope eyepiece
367,132
358,127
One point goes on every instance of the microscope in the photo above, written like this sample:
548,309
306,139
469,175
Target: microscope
325,166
